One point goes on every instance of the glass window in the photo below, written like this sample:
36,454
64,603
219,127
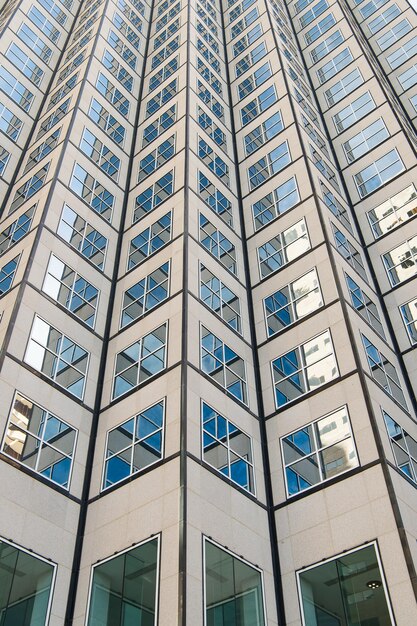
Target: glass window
364,306
27,583
223,365
106,122
58,357
371,7
213,161
355,111
409,315
253,81
82,236
92,192
45,26
234,14
335,65
263,133
16,230
165,52
408,78
304,369
4,159
384,372
134,445
401,262
39,440
207,97
35,43
318,452
384,18
215,199
166,34
281,199
54,10
156,158
310,15
251,36
100,154
250,59
344,87
122,49
22,62
53,119
211,128
161,98
29,188
165,72
162,123
292,302
321,164
42,150
269,165
7,274
145,295
62,91
404,448
152,197
150,241
217,244
216,295
318,29
335,207
327,45
71,290
394,211
233,589
15,90
262,102
399,56
212,42
140,361
227,448
128,32
126,585
112,94
378,173
118,70
349,252
209,76
10,124
283,248
246,21
391,36
356,581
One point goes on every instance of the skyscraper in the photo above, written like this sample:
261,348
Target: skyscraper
208,313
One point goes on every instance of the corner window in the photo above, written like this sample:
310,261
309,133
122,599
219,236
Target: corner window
292,302
280,250
152,197
384,372
223,365
71,290
218,245
275,203
269,165
401,262
409,315
57,357
220,298
404,448
364,306
134,445
39,440
16,230
227,448
304,369
126,585
140,361
92,192
82,237
145,295
233,589
26,584
150,241
394,211
318,452
7,274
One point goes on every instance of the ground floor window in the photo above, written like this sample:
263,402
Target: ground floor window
25,587
348,590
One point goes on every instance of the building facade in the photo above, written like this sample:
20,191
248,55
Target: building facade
208,279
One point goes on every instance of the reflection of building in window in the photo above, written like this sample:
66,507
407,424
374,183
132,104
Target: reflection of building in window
39,440
233,589
384,372
409,314
318,451
403,446
126,585
401,262
345,591
134,445
393,211
26,584
304,368
227,448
